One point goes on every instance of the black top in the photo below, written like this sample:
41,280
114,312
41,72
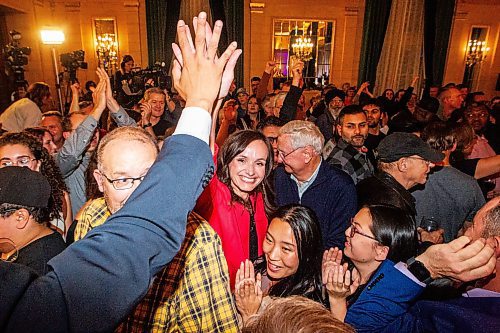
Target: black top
36,254
372,141
384,189
466,166
160,128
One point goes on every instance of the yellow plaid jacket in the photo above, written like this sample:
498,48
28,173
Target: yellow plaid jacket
191,294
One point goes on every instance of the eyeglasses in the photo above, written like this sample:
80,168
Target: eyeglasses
355,230
282,155
272,139
22,161
427,162
123,183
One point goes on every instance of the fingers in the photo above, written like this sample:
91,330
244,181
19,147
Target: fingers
258,285
228,53
247,269
214,40
471,251
200,33
177,53
239,276
185,41
252,272
459,243
480,259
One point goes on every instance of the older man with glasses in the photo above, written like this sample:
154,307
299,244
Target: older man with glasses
305,179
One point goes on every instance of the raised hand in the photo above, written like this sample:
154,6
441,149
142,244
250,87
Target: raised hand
111,103
248,290
270,66
197,71
146,111
331,257
339,284
230,114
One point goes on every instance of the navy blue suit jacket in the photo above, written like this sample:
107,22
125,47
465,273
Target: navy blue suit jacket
332,196
97,281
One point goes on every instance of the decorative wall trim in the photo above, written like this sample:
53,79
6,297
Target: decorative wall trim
131,3
461,15
351,11
257,7
73,6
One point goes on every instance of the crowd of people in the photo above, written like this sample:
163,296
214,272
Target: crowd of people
214,210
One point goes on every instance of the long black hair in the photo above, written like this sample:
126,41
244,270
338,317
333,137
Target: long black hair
307,280
393,228
234,145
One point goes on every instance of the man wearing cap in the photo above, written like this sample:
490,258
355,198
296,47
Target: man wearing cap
404,161
334,100
24,219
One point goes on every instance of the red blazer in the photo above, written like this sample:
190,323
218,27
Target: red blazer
231,221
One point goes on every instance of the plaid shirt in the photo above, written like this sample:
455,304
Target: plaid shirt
355,163
93,214
191,294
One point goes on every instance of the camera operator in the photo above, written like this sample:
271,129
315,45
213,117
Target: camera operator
123,80
26,112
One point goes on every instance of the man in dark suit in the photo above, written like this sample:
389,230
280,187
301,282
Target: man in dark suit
96,282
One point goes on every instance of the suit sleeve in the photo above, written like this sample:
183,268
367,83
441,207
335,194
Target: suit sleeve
100,278
289,108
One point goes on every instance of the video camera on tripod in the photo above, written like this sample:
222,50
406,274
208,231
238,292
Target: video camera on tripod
16,58
72,61
158,73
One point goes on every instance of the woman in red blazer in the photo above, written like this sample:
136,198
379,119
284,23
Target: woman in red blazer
238,200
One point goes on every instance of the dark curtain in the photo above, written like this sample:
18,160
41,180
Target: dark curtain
231,12
377,14
438,18
161,21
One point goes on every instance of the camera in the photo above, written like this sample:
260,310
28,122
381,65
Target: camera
72,61
16,57
158,73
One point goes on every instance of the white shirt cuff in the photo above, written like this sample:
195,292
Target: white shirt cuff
196,122
403,269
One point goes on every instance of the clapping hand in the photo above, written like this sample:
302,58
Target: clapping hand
111,103
331,257
248,290
270,67
339,284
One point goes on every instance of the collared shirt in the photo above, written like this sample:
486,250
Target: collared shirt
303,186
352,161
191,294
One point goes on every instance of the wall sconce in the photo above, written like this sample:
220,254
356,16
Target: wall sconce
54,37
476,52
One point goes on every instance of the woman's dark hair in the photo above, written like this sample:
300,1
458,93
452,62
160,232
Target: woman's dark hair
48,168
126,58
37,132
385,91
234,145
393,228
91,188
307,280
37,91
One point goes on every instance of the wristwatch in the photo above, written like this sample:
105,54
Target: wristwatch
147,125
419,271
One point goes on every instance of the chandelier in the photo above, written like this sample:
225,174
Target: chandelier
476,52
303,46
107,51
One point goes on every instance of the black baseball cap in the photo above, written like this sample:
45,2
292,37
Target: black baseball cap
400,144
23,187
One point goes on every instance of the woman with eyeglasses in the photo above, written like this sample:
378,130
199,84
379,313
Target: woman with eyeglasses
25,150
290,264
238,199
378,235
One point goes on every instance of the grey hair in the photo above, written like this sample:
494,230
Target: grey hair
304,133
492,223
